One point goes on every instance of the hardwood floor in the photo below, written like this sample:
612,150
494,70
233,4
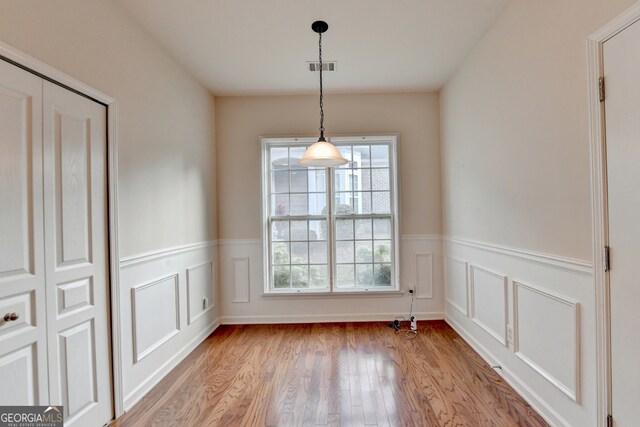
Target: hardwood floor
341,374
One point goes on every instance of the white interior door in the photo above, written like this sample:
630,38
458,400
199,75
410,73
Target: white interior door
622,112
23,345
75,242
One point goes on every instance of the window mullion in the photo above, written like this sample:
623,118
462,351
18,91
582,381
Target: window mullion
331,240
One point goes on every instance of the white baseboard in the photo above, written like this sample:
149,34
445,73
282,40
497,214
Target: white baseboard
323,318
141,390
545,411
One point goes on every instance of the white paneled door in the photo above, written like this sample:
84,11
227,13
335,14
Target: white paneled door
54,260
622,112
23,339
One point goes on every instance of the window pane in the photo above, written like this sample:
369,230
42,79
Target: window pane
318,230
295,154
344,252
361,155
280,204
379,156
279,157
280,252
363,251
280,182
281,277
299,204
317,203
317,180
362,202
382,274
345,275
381,251
344,229
318,277
299,181
380,179
342,204
362,179
364,274
299,230
381,202
318,252
363,229
280,230
299,253
382,228
299,276
342,180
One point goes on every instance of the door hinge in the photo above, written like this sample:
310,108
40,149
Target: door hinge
609,420
607,261
601,89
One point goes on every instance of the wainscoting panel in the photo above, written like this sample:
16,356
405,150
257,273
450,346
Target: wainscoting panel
489,302
241,279
243,299
548,303
200,290
544,321
457,284
163,318
150,331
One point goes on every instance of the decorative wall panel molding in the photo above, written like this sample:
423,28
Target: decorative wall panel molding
488,302
423,273
457,283
548,302
547,337
241,279
200,290
162,312
156,314
243,298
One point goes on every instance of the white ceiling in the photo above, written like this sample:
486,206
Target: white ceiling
255,47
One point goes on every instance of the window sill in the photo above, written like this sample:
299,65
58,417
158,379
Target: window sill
335,294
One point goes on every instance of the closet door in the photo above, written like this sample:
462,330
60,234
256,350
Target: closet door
76,256
23,346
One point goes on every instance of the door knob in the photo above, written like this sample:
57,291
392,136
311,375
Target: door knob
10,317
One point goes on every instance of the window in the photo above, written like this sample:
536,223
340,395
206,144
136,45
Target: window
335,229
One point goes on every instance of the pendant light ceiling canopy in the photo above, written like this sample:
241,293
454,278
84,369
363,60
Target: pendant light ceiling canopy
322,153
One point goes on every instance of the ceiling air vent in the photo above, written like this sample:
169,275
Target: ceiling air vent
326,66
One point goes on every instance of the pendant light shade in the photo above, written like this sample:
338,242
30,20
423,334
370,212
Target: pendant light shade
322,153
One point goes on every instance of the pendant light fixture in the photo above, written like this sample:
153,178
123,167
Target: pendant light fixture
322,153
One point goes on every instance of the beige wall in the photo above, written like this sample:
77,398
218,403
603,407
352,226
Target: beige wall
241,120
515,146
165,130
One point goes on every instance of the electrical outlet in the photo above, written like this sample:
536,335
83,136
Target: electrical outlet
510,333
204,303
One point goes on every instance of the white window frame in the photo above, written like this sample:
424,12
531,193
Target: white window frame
331,289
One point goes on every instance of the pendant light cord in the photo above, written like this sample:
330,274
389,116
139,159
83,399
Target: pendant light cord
321,100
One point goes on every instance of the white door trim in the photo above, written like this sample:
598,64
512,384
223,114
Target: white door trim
599,210
48,72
